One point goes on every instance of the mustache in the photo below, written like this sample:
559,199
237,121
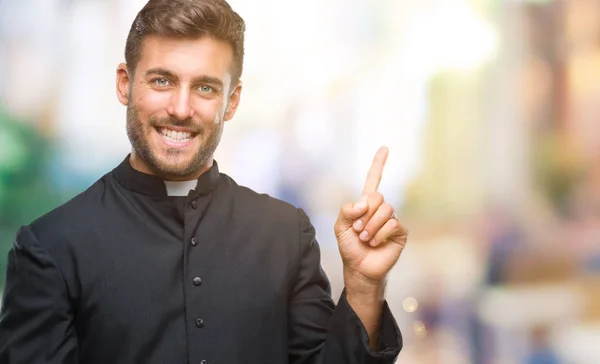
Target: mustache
166,122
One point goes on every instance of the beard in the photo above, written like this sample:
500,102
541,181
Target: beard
176,164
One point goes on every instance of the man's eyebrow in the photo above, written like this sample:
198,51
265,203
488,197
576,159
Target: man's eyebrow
200,79
209,80
160,72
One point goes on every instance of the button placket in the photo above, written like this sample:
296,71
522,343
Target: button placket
190,225
195,281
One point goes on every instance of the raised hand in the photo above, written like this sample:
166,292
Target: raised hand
370,237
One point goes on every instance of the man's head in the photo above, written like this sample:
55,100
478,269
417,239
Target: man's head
180,83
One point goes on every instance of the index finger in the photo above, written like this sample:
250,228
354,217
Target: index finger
376,171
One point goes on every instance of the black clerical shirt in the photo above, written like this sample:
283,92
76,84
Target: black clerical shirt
124,273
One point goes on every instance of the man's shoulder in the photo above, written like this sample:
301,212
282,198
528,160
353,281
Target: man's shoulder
72,213
258,204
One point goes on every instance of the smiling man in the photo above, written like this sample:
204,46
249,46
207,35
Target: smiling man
177,106
167,260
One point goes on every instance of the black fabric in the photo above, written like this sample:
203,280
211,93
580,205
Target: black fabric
123,273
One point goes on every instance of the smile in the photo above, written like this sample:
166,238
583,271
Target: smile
176,136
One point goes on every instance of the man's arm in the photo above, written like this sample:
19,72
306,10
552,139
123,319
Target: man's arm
367,301
320,332
36,318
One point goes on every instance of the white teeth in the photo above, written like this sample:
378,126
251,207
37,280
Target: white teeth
175,136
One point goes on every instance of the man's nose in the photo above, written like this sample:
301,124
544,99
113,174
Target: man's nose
181,106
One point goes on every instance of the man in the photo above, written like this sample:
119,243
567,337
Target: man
166,260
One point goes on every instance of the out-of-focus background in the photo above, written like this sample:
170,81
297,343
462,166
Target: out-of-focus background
491,109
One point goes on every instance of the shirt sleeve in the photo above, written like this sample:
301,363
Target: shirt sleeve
36,318
321,332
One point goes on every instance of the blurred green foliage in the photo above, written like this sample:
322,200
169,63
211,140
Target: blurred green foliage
25,188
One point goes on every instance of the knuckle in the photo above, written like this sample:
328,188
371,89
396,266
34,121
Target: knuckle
396,225
388,209
347,206
376,197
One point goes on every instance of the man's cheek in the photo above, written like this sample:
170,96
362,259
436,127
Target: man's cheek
209,115
153,101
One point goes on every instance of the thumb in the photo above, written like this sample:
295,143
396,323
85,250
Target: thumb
350,212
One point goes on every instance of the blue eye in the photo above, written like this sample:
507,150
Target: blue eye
205,88
162,82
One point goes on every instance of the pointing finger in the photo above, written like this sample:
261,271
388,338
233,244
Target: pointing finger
376,171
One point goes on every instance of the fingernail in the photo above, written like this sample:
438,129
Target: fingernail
358,224
372,242
364,236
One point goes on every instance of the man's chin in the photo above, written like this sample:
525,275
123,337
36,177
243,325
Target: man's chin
176,170
177,163
170,164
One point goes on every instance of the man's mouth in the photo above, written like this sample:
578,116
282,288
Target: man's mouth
176,136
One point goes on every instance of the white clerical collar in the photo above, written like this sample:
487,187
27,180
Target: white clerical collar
180,188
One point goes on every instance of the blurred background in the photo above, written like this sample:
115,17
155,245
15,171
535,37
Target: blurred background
491,110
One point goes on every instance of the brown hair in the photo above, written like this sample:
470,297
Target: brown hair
188,19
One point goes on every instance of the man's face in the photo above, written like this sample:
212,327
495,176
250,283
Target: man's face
177,102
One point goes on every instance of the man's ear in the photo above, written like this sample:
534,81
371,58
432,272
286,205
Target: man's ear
233,102
123,84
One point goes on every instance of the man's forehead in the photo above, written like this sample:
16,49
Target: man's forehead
186,55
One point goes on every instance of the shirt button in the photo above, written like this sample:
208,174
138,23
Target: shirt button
199,323
194,242
197,281
203,362
194,204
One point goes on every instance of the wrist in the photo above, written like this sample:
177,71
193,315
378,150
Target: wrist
364,288
365,296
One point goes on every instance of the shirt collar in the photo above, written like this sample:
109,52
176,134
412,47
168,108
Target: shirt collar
180,188
148,184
